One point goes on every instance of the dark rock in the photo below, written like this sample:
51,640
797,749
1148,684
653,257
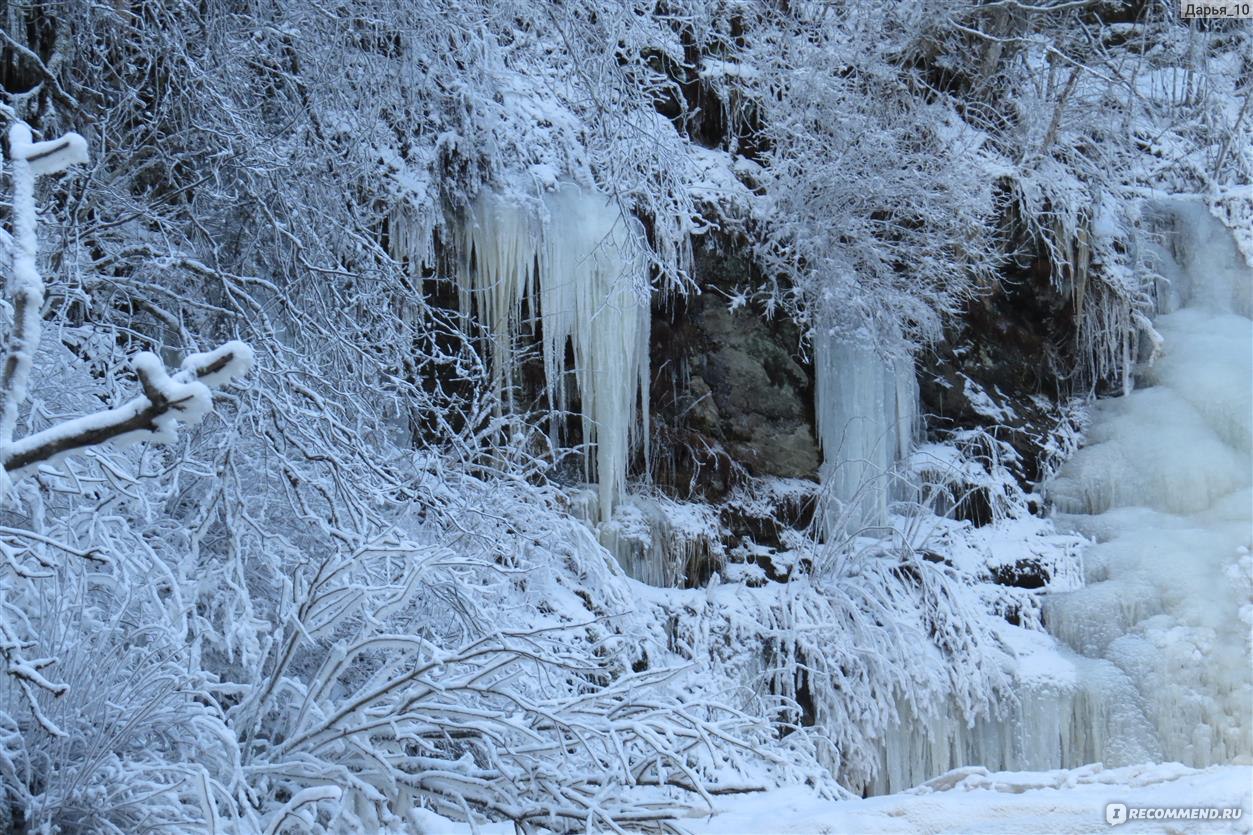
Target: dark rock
1023,574
1005,364
728,386
759,390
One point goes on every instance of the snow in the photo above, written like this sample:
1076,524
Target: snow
52,156
27,288
1153,662
656,540
984,404
30,159
974,800
189,392
234,359
1067,709
361,591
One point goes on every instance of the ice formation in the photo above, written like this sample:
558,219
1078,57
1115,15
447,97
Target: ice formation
1069,711
576,268
1154,656
1164,489
655,540
867,418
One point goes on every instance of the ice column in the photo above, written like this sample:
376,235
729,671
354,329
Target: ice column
867,416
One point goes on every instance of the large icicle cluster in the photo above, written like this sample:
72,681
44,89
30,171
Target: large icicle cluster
867,417
1164,487
1068,711
579,270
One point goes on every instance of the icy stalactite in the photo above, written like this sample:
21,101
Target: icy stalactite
1165,488
1053,722
574,263
867,420
655,540
411,237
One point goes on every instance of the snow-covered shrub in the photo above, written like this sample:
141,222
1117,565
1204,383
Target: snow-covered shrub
879,203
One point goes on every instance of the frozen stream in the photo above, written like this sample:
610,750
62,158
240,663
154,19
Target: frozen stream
1163,488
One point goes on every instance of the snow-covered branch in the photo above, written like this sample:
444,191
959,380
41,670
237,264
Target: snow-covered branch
152,416
30,159
165,402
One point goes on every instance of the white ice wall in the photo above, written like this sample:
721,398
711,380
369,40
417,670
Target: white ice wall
1163,487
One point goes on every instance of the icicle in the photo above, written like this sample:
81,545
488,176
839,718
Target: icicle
867,413
582,268
662,542
497,251
411,238
1069,711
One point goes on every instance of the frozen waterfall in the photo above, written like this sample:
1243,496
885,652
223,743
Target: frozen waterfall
1163,487
1152,654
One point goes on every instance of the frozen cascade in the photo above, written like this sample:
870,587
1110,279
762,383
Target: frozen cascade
579,263
1154,657
1164,489
1071,710
867,419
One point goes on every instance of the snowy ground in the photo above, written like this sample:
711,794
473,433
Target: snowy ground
972,800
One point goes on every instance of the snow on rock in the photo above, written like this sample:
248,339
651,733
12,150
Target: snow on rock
984,404
656,540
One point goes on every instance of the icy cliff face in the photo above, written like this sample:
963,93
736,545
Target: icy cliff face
1153,661
1163,487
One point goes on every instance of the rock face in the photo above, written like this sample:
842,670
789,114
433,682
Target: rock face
733,398
1003,364
760,393
731,395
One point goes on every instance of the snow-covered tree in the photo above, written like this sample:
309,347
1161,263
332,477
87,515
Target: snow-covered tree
352,593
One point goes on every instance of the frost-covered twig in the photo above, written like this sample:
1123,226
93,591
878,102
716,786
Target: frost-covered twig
30,158
166,400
